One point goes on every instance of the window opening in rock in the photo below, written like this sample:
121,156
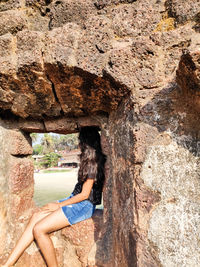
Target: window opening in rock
56,163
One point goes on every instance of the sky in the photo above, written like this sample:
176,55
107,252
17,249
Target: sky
40,135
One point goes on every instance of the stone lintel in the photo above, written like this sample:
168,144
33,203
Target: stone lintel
71,125
32,126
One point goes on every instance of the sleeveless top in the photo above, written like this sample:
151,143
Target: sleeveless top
95,194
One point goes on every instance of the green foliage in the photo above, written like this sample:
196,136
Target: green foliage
50,160
47,143
53,142
37,149
34,137
63,142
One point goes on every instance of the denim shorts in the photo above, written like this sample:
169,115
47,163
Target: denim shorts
78,211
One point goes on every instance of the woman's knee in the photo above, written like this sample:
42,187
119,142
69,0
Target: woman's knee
38,230
35,216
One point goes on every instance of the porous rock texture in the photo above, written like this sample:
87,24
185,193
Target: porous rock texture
132,68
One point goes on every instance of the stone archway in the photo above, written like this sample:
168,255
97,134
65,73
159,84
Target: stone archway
143,146
50,98
43,89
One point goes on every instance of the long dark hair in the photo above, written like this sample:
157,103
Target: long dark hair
92,159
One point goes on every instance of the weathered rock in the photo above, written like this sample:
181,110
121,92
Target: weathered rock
133,20
83,235
94,44
22,170
184,10
66,11
179,203
188,78
31,126
71,125
37,15
61,44
138,57
7,59
20,144
104,3
12,22
10,4
101,96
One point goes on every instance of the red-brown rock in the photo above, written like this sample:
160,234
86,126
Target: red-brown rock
20,144
84,234
20,174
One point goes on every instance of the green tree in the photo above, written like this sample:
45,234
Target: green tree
47,143
50,160
37,149
69,142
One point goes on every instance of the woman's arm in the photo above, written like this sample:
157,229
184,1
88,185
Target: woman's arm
86,189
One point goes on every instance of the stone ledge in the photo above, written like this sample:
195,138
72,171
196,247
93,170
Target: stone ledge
84,235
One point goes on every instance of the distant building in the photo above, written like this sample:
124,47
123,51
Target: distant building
69,158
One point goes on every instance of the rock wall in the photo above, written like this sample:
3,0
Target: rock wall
16,183
132,68
155,170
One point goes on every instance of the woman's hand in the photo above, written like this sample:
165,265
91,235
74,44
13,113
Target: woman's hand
52,206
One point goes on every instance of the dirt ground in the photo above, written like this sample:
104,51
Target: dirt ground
52,186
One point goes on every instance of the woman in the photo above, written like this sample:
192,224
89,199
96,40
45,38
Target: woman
80,205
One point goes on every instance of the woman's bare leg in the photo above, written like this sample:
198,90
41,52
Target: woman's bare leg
26,238
54,221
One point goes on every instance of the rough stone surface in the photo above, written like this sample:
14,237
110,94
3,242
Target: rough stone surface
4,159
84,235
131,68
62,12
31,126
20,144
11,21
183,11
188,78
20,175
10,4
69,125
178,213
